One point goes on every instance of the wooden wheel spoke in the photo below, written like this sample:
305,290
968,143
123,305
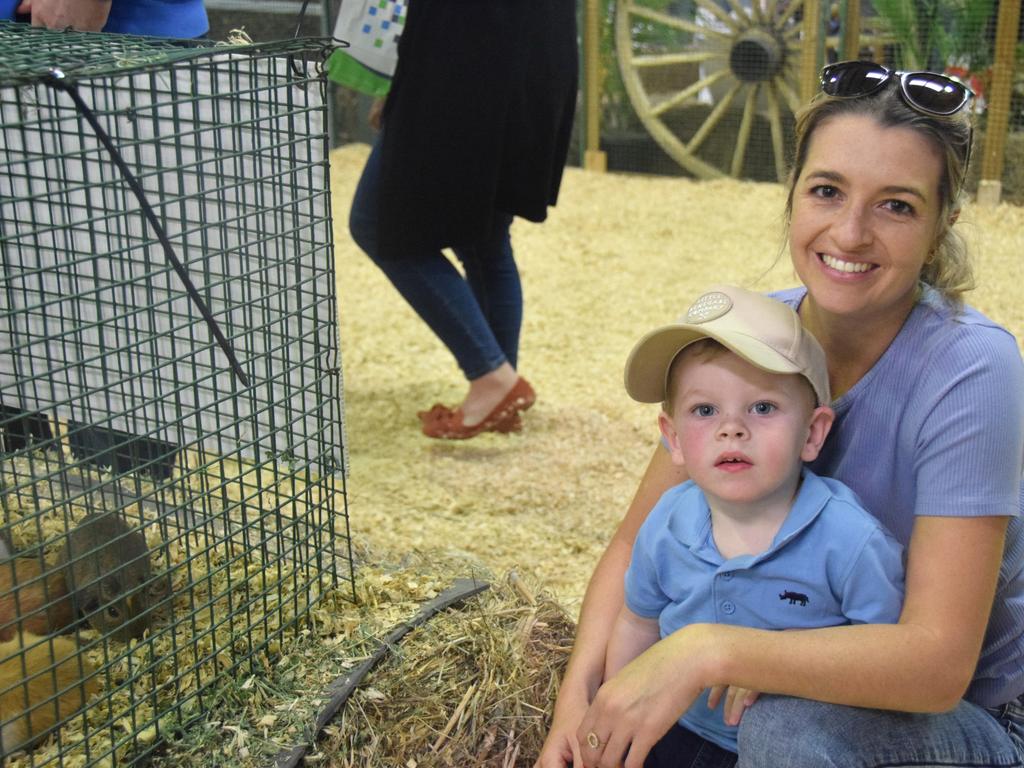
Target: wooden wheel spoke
791,96
760,14
741,12
789,13
669,59
688,93
778,143
673,22
713,119
792,34
743,137
713,8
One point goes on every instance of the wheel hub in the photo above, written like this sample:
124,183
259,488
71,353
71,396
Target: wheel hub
756,56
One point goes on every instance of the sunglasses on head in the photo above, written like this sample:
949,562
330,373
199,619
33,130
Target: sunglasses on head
926,92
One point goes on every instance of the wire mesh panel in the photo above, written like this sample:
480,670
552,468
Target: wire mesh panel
172,447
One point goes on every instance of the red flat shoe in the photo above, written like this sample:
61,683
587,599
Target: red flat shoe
513,423
440,413
503,418
437,411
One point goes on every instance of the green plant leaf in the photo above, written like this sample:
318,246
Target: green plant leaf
899,20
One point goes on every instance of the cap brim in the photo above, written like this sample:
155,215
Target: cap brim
648,363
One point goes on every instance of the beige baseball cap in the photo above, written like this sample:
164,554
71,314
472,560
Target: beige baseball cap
762,330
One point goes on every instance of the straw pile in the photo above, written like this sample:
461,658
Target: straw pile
472,687
190,644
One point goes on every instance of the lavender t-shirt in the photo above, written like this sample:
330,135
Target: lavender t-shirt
936,427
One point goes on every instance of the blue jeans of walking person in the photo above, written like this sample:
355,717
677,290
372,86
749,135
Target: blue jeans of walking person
783,732
477,316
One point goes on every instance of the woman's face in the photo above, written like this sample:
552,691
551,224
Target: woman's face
864,218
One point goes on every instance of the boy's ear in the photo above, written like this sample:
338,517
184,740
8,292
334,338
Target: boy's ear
668,431
817,430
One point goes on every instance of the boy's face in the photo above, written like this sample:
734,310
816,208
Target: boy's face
741,432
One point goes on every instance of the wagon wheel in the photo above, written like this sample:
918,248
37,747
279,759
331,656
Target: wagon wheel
716,89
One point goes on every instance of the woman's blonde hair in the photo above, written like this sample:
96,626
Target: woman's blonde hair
948,268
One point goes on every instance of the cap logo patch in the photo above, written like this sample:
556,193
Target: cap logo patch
710,306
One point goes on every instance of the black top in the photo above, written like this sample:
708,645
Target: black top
478,119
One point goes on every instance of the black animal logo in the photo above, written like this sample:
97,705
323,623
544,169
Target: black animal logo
794,597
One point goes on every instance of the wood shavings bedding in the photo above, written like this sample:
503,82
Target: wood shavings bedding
617,255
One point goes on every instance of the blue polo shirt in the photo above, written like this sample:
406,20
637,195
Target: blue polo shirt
830,563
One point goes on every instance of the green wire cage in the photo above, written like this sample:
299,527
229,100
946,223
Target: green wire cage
172,448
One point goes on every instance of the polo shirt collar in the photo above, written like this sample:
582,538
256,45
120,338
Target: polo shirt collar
694,530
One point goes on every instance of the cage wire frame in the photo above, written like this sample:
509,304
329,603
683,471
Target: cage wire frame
118,404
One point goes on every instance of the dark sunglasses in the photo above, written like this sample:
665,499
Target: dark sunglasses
927,92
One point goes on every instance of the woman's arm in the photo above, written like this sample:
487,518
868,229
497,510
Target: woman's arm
922,664
601,605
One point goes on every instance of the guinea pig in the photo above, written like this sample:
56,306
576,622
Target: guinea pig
33,597
42,683
109,576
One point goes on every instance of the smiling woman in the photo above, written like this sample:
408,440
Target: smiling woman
858,240
873,199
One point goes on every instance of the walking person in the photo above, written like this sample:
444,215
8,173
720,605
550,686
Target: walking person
475,130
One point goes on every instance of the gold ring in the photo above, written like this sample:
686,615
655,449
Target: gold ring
593,741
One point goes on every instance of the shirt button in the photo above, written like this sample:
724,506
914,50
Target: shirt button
728,607
727,575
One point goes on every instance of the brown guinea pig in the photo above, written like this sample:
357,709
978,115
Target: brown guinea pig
42,683
33,598
109,576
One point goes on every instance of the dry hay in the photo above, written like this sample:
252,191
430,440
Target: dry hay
471,686
220,584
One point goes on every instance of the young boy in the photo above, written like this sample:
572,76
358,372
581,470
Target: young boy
752,538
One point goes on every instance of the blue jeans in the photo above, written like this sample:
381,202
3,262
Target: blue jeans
682,748
478,317
1011,718
782,732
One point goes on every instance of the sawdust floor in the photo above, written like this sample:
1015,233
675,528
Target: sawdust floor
618,254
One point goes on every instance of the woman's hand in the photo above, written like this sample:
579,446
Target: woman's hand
634,709
737,701
561,749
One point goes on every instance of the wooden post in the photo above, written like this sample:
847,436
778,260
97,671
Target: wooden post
990,187
851,31
593,158
809,63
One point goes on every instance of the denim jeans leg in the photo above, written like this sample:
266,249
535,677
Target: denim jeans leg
429,282
493,277
682,748
362,215
1011,718
782,732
